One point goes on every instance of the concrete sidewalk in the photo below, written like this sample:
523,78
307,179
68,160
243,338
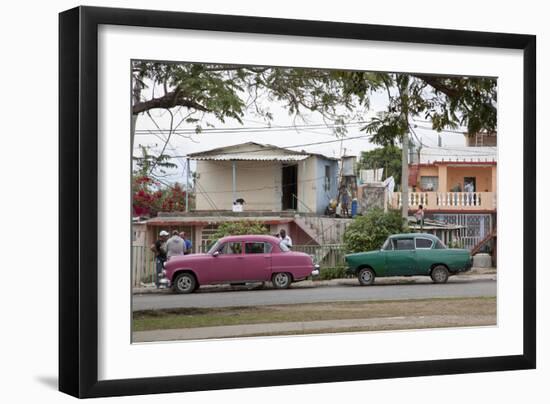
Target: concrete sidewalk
474,274
305,327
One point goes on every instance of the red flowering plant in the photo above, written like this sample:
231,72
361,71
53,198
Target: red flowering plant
146,196
150,194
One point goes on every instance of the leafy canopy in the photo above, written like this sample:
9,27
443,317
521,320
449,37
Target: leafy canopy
387,157
367,233
227,91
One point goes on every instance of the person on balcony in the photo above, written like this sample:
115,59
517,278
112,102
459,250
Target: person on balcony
419,216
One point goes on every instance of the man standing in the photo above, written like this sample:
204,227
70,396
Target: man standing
419,216
285,239
187,243
159,249
175,245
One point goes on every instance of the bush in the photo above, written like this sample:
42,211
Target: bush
369,232
327,274
239,228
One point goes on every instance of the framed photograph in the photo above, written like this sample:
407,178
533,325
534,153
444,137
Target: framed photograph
250,202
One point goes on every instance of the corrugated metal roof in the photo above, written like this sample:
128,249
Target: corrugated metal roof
254,151
429,155
252,156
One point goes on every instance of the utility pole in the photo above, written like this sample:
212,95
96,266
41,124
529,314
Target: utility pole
405,154
187,186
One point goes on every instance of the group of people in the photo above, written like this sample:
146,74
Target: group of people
166,247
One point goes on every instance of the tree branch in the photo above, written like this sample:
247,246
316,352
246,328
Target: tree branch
438,85
167,101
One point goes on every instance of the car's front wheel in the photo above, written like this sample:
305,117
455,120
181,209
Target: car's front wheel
440,274
185,283
281,280
366,276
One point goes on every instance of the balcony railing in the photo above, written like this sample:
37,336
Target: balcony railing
448,200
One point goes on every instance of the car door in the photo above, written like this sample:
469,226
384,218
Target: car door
424,255
228,262
401,260
257,262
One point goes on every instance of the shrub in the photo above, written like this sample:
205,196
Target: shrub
239,228
332,273
369,232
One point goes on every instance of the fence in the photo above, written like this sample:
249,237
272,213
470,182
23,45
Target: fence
327,256
143,264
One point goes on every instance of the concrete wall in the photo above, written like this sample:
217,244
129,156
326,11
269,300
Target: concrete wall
483,175
258,183
323,196
450,175
311,184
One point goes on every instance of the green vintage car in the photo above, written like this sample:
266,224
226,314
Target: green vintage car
409,254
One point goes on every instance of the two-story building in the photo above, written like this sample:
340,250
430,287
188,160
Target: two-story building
455,185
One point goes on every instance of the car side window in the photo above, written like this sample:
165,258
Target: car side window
403,244
423,243
231,248
388,246
257,248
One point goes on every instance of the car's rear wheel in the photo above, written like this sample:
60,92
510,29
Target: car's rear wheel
185,283
366,276
440,274
281,280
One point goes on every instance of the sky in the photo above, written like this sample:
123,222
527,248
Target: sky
285,131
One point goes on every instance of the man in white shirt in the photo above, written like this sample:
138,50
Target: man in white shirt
175,245
285,239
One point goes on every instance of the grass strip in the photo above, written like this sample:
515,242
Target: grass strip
220,316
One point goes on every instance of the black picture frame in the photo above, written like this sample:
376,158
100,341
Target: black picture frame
78,196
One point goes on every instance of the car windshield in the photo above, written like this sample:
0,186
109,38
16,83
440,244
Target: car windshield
283,247
214,247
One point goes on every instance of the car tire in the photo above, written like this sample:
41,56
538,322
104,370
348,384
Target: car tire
440,274
366,276
281,280
185,283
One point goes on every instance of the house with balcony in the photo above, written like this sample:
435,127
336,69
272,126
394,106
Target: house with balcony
455,185
277,187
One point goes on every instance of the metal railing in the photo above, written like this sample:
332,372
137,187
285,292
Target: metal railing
448,200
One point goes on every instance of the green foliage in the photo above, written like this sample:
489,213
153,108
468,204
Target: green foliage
369,232
329,273
238,228
447,102
456,244
387,157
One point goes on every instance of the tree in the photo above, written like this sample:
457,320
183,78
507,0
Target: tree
446,102
387,157
220,91
227,91
238,228
367,233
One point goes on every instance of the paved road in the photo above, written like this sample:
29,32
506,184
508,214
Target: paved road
296,295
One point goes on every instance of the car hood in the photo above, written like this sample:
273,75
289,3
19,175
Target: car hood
188,258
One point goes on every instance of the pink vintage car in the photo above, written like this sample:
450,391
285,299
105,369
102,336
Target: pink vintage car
237,260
